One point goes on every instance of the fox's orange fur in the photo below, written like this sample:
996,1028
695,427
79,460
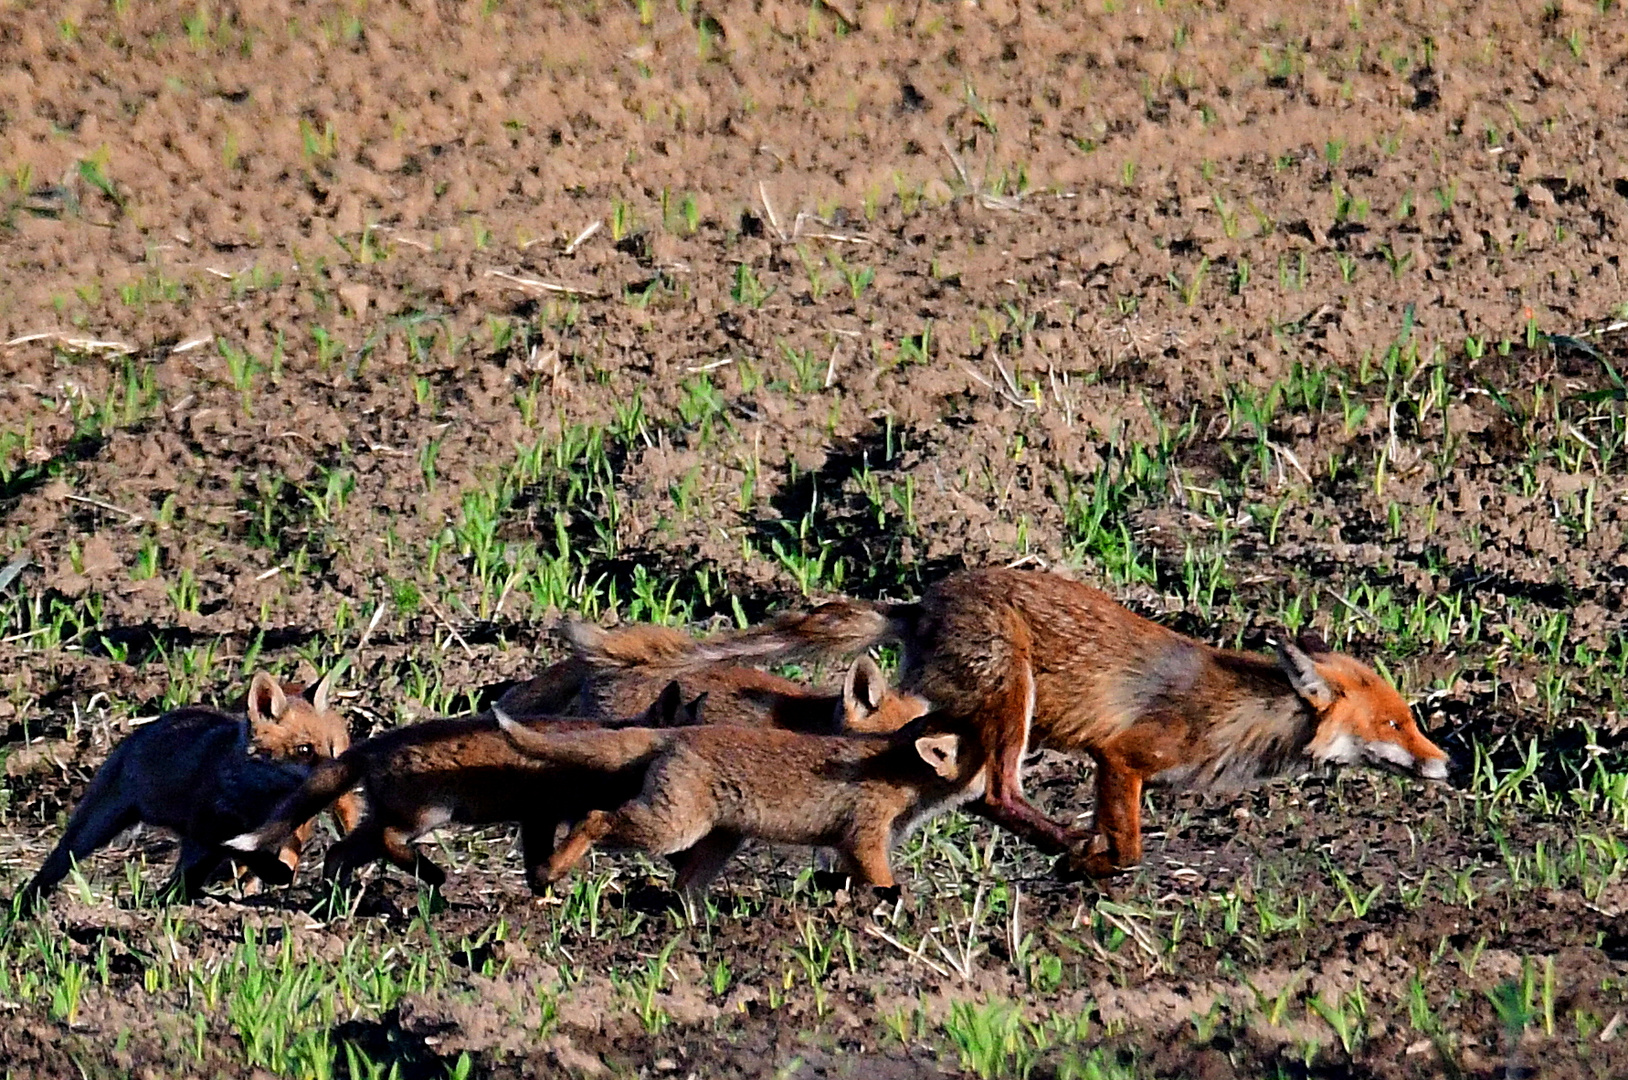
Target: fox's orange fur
613,673
1034,659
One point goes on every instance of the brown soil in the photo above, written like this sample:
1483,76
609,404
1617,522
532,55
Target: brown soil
879,291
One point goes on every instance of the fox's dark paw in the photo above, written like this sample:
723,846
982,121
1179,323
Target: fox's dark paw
1081,863
274,872
887,894
830,881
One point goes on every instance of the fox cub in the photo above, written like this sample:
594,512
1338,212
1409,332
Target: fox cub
707,788
196,771
1027,658
454,770
614,673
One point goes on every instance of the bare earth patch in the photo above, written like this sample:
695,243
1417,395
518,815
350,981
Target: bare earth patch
472,314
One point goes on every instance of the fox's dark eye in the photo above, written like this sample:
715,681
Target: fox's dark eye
307,750
1394,725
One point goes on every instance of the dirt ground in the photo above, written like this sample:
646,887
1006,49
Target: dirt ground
465,315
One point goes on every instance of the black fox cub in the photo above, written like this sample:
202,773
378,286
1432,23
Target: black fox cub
195,771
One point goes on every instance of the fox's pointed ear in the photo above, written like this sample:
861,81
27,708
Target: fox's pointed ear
1310,641
691,715
941,752
1307,681
319,696
267,701
663,712
863,689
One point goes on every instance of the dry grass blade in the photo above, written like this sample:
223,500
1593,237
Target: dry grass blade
70,343
535,285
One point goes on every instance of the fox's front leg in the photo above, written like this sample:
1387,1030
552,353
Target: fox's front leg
867,855
196,866
1004,726
1117,844
584,835
348,809
289,853
398,849
536,850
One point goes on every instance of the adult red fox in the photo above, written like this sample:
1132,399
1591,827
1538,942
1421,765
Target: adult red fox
707,788
1029,658
454,770
613,673
194,771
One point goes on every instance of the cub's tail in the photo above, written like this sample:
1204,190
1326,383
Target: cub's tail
642,646
331,778
601,749
836,628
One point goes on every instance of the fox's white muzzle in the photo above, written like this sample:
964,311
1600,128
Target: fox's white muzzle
1350,750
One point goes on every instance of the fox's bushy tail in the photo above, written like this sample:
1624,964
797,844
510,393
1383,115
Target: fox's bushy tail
633,646
602,749
836,628
330,779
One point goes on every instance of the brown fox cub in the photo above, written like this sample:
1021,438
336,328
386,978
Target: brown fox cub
455,770
707,788
615,672
1029,658
285,726
193,771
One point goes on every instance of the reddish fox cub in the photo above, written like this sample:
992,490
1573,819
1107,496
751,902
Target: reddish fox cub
707,788
454,770
617,672
193,771
1029,658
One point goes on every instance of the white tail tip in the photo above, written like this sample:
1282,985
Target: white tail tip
505,721
249,841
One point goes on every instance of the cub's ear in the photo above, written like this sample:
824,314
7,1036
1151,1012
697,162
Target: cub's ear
692,713
319,697
664,711
1312,642
1307,681
267,702
941,752
863,689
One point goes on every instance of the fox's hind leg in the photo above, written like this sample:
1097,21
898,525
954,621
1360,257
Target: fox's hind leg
93,824
700,865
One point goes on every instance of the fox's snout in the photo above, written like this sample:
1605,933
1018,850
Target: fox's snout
1425,764
1346,748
